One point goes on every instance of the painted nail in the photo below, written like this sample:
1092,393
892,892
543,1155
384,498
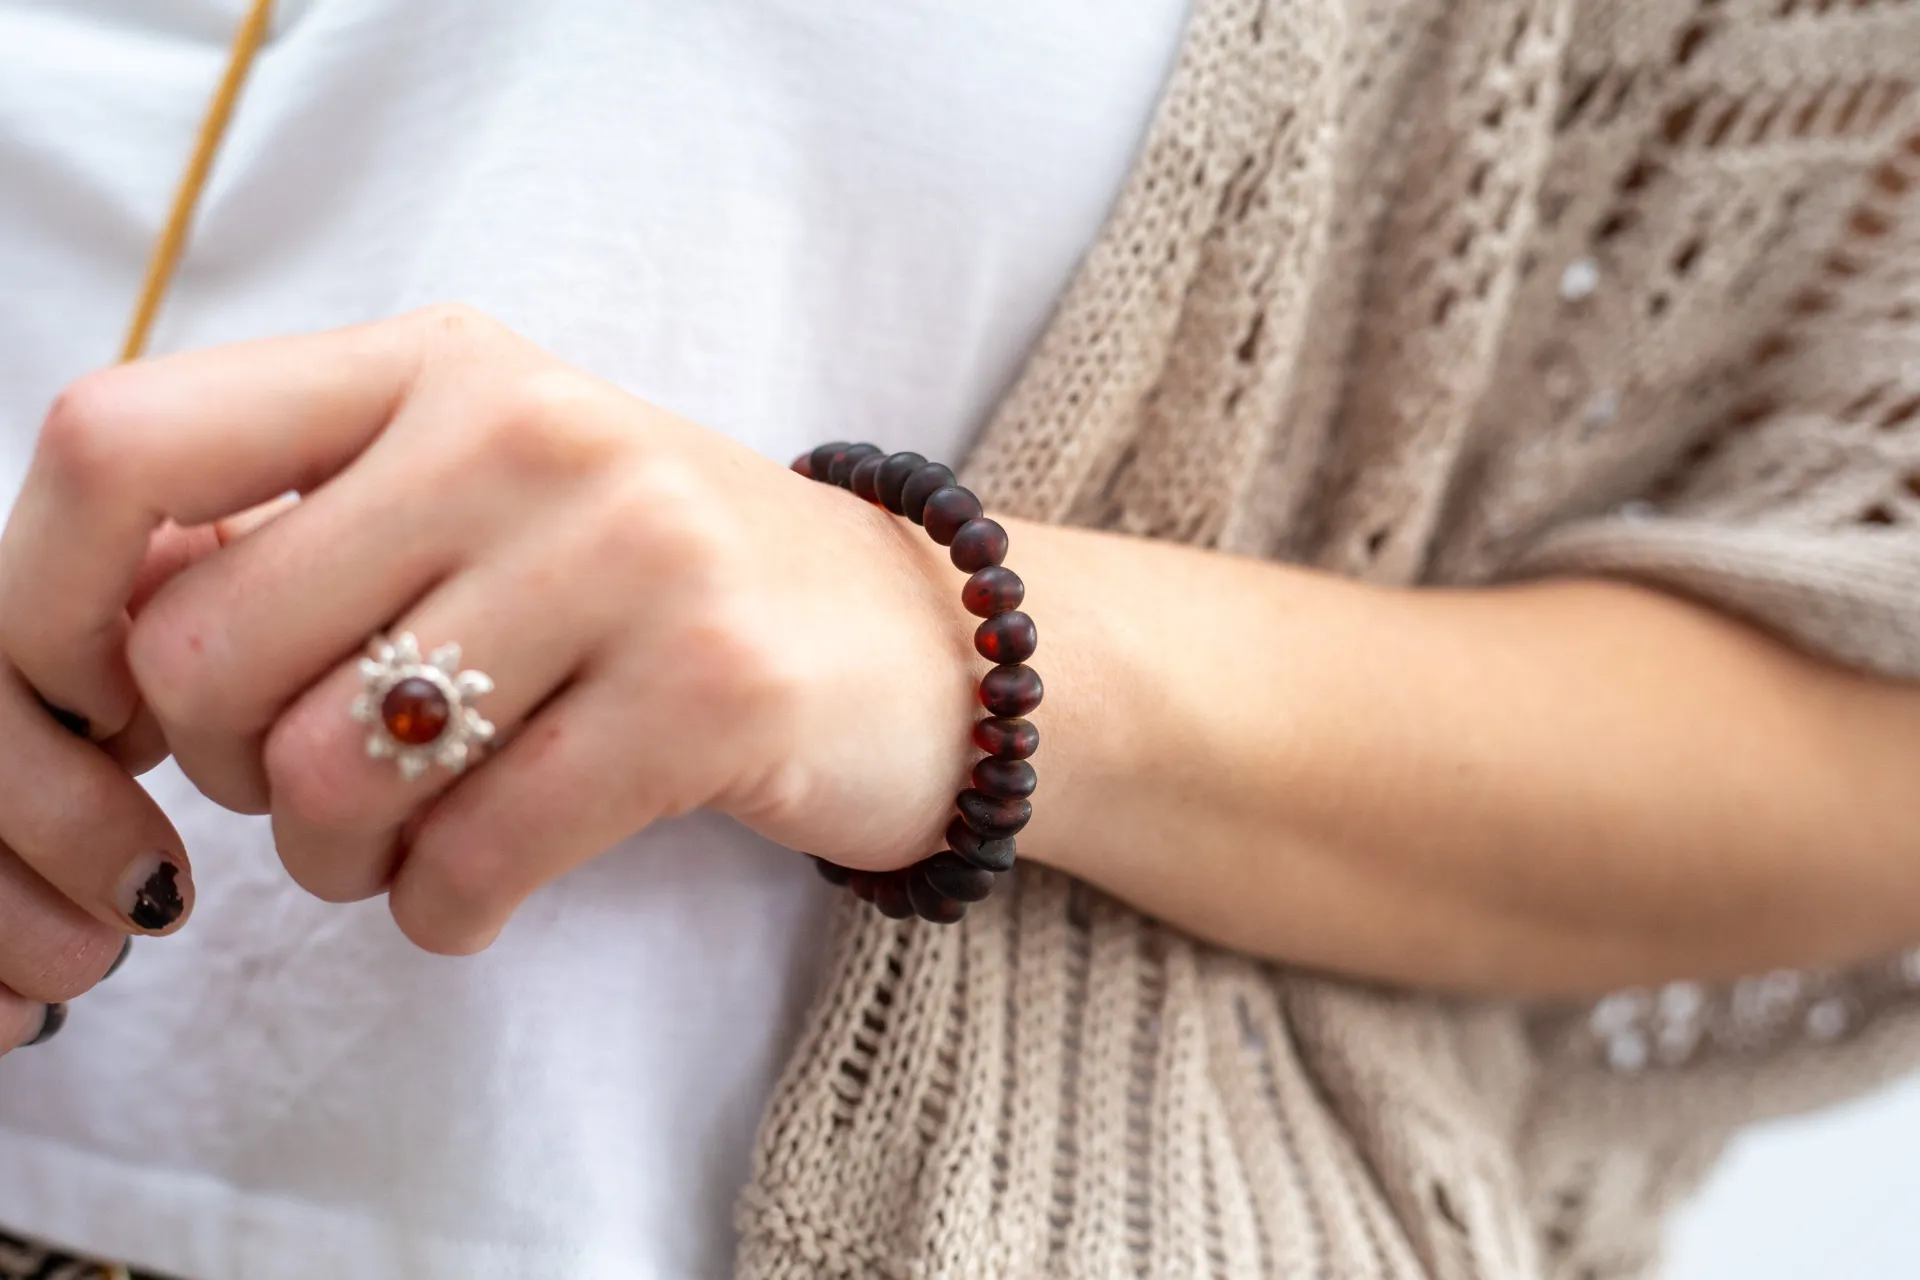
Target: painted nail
55,1019
72,721
150,893
126,949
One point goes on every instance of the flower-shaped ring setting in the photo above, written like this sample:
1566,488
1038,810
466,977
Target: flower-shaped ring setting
421,708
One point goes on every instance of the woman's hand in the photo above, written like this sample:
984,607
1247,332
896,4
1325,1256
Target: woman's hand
672,622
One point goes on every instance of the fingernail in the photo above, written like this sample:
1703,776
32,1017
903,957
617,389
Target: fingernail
72,721
55,1019
150,893
126,949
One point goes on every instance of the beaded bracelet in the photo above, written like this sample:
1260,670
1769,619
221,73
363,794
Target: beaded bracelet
994,809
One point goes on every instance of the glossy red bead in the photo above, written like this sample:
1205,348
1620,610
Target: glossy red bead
994,855
978,544
921,485
1005,738
954,877
1005,779
841,471
993,591
947,510
415,711
865,477
930,904
1011,691
992,817
890,895
1007,639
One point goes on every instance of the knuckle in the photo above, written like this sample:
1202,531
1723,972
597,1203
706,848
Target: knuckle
80,441
551,424
455,325
452,890
311,779
173,672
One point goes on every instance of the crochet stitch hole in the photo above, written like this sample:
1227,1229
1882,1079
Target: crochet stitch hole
1901,414
1879,514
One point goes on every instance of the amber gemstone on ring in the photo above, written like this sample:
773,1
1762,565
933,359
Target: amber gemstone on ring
415,711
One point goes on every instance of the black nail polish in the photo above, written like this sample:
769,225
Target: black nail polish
158,903
56,1018
72,721
126,949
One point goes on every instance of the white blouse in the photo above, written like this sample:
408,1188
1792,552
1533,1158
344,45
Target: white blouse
793,220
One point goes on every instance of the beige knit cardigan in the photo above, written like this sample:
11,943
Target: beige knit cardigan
1415,291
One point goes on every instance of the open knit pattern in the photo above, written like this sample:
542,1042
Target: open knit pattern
1414,291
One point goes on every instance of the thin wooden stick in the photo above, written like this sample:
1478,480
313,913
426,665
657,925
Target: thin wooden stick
166,250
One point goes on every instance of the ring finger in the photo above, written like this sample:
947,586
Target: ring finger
337,809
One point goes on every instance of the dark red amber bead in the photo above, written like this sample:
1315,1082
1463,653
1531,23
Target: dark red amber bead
865,476
890,895
993,591
822,458
994,855
1006,739
415,711
930,904
861,884
954,877
831,872
921,485
1005,779
803,464
1007,639
994,818
1011,691
893,477
841,471
946,510
978,544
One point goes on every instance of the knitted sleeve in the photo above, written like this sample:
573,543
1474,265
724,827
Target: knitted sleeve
1800,510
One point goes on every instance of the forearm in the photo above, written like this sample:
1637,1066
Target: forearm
1551,788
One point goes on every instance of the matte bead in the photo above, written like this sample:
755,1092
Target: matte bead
921,485
978,544
1006,739
831,872
930,905
1011,691
890,895
946,510
866,475
893,477
993,591
841,472
415,711
803,465
861,884
1007,638
1005,779
993,818
993,855
822,458
952,876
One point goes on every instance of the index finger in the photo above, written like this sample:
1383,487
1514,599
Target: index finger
190,438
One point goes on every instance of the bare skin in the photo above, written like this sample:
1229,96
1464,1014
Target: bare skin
1549,789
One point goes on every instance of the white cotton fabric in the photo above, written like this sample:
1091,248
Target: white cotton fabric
793,221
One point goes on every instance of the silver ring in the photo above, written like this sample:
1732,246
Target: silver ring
420,709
